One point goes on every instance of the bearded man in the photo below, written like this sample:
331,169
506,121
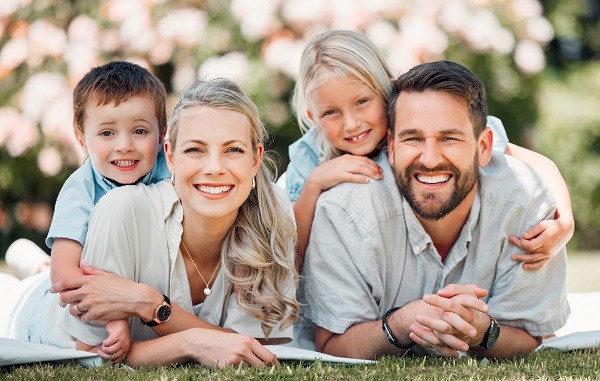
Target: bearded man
422,256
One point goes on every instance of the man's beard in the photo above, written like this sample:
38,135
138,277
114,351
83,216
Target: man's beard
464,181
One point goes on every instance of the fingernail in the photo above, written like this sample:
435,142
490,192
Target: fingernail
472,333
427,297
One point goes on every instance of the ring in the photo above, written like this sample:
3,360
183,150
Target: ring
77,309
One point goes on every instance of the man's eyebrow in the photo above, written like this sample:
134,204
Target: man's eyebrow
409,132
414,131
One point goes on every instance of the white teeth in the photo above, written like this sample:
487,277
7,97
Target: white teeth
124,163
357,138
214,190
433,179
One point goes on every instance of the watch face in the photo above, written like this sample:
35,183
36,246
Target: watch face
163,313
494,333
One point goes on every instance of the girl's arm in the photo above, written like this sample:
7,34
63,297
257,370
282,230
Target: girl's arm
65,258
544,239
346,168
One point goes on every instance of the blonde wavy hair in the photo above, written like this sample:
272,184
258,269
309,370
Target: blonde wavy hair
348,55
257,254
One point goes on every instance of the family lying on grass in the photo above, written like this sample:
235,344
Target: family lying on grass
411,223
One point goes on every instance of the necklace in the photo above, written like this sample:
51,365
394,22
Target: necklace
207,290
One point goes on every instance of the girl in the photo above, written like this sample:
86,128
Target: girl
340,101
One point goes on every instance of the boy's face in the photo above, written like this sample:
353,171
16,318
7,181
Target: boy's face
123,141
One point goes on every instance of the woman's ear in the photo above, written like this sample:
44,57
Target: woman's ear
258,156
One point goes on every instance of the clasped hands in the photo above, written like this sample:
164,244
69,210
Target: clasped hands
454,319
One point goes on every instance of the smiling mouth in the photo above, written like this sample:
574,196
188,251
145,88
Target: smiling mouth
358,137
214,190
438,179
124,163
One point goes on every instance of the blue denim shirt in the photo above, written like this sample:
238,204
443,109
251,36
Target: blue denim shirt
81,192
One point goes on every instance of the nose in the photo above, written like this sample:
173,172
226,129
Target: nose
431,154
124,143
352,121
214,165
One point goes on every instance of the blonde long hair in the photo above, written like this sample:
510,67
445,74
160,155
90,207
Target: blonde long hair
257,254
349,56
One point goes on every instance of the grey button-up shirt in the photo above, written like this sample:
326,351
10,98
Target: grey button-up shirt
368,252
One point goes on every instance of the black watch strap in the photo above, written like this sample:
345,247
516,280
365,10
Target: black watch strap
156,321
388,331
491,335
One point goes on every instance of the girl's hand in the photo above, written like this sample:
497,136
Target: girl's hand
345,168
543,241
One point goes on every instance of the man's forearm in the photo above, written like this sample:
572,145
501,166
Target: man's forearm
361,341
511,342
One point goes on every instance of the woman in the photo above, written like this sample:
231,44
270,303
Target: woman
211,251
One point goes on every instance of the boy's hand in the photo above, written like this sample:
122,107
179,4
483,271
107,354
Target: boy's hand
345,168
542,242
117,344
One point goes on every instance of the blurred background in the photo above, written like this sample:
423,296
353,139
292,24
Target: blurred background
538,58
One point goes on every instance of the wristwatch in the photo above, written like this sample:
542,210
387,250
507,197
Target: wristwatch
491,335
162,313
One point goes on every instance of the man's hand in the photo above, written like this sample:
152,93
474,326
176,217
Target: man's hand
459,320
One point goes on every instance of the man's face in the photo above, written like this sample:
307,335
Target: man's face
434,153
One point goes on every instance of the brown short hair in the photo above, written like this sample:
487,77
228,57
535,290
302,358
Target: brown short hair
116,82
443,76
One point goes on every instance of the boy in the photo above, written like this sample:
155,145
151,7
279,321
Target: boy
120,122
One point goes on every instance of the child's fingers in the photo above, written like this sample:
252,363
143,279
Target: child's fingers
536,230
530,258
535,265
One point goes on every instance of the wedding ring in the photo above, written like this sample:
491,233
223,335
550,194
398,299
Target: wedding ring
77,309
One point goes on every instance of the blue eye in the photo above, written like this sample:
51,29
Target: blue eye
328,113
235,150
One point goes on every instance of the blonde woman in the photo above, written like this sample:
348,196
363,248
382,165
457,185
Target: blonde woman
195,259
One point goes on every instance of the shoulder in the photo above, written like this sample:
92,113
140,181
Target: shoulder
305,148
516,183
139,199
81,179
379,199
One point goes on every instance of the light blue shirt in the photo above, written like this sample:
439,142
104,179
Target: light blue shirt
82,190
304,157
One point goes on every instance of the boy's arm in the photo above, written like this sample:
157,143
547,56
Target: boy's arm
65,259
544,239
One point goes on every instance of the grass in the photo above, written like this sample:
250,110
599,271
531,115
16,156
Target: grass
547,365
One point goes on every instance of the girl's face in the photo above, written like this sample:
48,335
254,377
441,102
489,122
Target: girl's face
351,115
213,161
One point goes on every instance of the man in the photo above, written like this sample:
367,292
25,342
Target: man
425,259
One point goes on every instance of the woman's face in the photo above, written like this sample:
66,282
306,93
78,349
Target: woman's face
213,161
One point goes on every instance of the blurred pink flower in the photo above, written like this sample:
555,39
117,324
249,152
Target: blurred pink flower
39,90
41,217
46,39
8,7
24,136
161,52
183,26
529,57
80,58
257,18
283,54
234,66
480,29
526,9
299,13
183,76
14,53
83,28
539,29
49,161
110,40
118,11
136,31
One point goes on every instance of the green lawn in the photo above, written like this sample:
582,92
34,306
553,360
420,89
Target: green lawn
547,365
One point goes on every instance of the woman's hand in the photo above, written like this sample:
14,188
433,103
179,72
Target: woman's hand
543,241
102,296
218,349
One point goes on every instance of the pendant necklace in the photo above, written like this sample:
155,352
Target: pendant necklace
207,290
